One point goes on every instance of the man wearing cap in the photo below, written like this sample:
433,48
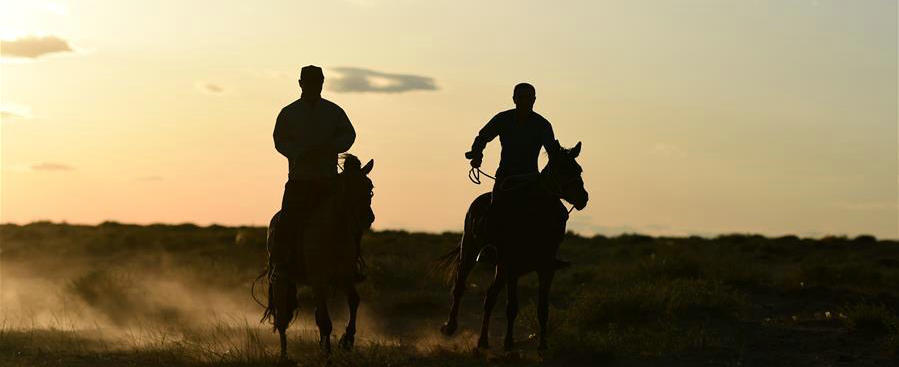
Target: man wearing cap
310,132
522,132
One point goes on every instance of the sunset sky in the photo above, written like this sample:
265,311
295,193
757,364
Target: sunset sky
696,117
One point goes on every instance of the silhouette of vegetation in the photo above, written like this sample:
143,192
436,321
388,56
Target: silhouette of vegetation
178,295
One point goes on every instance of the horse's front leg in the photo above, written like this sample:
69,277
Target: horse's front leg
323,319
545,279
489,302
511,312
349,336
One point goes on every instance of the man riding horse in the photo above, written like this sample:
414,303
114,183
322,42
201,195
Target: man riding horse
310,132
522,132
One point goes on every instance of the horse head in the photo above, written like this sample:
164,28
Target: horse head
563,175
358,188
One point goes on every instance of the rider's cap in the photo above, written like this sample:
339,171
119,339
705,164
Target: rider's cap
311,72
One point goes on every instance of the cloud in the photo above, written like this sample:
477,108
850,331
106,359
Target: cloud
210,88
47,166
10,115
364,80
9,111
33,46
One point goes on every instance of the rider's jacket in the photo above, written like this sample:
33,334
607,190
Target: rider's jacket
311,135
520,140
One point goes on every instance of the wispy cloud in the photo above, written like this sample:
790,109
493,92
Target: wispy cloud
211,88
360,80
33,47
48,166
11,115
11,111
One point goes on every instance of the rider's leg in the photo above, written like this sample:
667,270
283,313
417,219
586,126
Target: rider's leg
489,253
285,233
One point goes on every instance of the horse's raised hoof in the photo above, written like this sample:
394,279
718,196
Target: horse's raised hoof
346,341
448,329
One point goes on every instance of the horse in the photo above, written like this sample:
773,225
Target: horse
527,233
331,253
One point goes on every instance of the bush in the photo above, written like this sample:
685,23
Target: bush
875,319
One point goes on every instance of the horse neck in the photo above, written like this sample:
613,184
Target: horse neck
547,184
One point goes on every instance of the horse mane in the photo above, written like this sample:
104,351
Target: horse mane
351,162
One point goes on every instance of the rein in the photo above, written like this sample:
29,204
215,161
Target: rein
474,174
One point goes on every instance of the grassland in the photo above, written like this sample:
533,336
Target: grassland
179,295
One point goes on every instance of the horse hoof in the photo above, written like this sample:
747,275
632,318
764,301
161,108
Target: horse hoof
325,346
347,341
448,329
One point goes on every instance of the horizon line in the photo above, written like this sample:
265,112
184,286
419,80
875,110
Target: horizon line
413,231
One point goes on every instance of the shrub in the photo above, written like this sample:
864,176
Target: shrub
875,319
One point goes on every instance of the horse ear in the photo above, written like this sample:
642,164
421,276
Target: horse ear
576,151
368,166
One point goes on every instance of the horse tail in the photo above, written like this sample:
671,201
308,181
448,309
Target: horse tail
448,264
269,306
268,314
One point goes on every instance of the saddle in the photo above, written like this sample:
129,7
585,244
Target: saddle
512,201
328,209
511,196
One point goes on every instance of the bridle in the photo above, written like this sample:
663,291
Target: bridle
474,174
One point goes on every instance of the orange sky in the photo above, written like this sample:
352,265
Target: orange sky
697,117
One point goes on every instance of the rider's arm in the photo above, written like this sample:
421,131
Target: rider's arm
547,138
345,135
285,142
486,135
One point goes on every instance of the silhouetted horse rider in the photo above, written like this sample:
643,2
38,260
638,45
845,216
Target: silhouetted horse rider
522,132
310,132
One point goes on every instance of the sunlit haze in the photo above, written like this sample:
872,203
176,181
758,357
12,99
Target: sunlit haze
696,117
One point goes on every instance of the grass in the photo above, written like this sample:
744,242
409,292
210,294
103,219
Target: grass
178,295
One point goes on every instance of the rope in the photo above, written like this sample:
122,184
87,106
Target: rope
474,174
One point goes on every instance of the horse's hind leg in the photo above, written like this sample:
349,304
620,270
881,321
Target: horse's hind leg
467,252
323,319
284,295
349,336
511,312
489,302
545,279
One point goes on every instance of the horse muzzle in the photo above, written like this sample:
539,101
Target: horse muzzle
580,202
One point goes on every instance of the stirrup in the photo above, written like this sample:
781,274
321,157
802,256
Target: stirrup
488,255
